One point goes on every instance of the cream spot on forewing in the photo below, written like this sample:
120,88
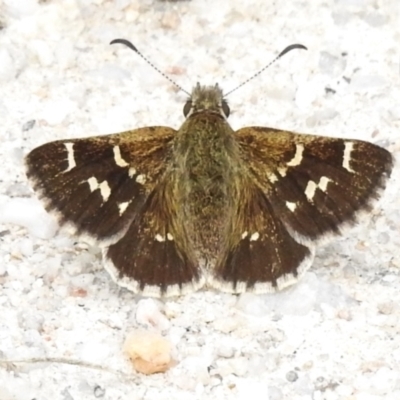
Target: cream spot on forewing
169,236
105,190
118,158
255,236
323,183
312,187
123,206
310,190
282,171
131,172
272,177
93,184
159,238
244,234
70,156
291,206
141,179
348,148
296,160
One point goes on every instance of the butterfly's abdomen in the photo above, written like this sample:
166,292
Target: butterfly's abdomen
207,158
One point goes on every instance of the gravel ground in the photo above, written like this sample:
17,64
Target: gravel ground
334,335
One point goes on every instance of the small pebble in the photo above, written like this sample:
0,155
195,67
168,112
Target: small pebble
292,376
149,352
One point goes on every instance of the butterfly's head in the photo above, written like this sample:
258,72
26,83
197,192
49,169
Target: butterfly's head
206,98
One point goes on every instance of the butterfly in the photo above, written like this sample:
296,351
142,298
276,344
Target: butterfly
204,205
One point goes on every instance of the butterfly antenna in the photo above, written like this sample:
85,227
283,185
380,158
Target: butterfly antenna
132,47
282,53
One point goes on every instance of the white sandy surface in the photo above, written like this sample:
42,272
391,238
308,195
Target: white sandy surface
335,335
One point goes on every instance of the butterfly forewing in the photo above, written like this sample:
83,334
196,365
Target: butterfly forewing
315,184
97,185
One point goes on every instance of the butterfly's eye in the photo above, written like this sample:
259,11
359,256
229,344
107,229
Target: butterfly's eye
225,108
187,107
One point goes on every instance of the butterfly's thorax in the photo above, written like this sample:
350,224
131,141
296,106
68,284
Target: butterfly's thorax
207,159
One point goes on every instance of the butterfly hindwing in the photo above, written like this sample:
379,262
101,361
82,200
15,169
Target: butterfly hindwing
154,257
264,257
97,185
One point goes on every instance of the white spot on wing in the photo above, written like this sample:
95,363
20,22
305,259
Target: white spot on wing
348,148
141,179
159,238
93,184
282,172
291,206
105,190
310,190
323,183
169,236
312,187
296,160
118,158
272,177
244,234
255,236
131,172
71,158
123,206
